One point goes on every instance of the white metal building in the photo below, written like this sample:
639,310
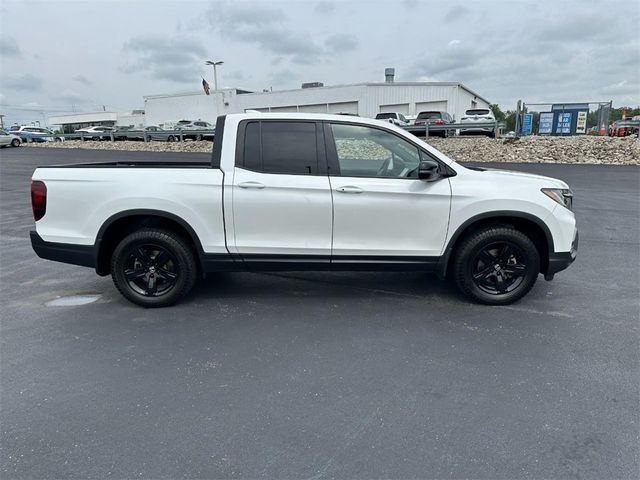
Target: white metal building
73,121
364,99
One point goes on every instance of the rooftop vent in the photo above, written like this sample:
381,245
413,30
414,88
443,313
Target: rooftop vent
389,74
312,85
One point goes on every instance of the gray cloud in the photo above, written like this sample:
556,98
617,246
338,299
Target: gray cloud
267,28
285,79
82,80
25,82
177,59
456,13
325,7
9,47
341,42
70,97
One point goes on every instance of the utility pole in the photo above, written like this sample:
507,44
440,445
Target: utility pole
215,72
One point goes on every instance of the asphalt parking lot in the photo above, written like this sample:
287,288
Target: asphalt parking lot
324,375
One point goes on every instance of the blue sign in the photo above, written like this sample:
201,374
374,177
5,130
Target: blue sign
546,123
527,124
564,123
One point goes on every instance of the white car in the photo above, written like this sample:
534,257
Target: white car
477,116
304,192
7,139
95,133
396,118
31,133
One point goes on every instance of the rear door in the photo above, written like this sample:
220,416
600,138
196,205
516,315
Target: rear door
282,208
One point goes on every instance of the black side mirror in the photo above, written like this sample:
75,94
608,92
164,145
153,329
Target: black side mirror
428,170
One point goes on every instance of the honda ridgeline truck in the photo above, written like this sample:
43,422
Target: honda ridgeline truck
304,192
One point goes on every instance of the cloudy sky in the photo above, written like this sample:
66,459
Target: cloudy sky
80,55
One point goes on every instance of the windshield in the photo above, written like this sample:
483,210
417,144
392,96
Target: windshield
478,111
423,115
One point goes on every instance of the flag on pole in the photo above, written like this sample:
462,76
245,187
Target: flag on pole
205,86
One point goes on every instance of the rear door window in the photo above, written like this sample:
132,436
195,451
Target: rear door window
281,147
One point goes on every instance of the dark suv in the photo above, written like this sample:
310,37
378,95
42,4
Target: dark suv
434,118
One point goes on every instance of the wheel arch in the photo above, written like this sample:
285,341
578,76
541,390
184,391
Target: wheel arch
532,226
116,227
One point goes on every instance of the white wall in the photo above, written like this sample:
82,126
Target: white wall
365,99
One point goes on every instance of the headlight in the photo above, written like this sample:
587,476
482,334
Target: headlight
563,196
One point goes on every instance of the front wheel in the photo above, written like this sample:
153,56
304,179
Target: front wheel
15,142
153,268
496,265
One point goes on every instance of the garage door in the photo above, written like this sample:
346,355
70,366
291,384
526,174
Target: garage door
344,107
319,108
439,106
402,108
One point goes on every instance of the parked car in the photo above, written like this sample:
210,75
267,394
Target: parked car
435,118
624,128
478,115
95,133
304,192
205,129
9,139
30,133
393,117
122,132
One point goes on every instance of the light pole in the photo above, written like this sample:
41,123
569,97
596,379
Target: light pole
215,72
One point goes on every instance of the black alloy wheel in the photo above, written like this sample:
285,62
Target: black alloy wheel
150,270
496,265
499,268
153,267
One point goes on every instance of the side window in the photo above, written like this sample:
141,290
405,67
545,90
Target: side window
252,159
288,148
371,152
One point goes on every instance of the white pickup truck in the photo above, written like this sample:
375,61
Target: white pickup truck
304,192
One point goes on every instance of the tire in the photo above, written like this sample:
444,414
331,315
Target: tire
171,138
198,137
139,277
15,142
496,265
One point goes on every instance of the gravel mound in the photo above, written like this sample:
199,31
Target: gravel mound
533,149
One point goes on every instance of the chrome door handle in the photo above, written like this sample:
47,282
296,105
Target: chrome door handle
251,185
349,189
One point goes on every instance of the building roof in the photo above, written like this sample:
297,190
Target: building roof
328,87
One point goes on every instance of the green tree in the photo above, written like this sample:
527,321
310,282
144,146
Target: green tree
499,114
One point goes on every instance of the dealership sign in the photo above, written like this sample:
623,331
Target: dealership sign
545,124
564,123
581,126
527,124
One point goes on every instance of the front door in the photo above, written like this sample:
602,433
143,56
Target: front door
382,211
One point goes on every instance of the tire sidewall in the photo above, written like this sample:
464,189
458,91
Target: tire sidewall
186,267
472,247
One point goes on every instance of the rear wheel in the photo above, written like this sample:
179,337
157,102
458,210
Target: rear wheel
496,265
153,268
171,138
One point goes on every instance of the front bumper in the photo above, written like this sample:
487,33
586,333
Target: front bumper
83,255
561,261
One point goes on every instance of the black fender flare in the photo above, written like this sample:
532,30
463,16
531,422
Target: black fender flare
150,213
497,214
